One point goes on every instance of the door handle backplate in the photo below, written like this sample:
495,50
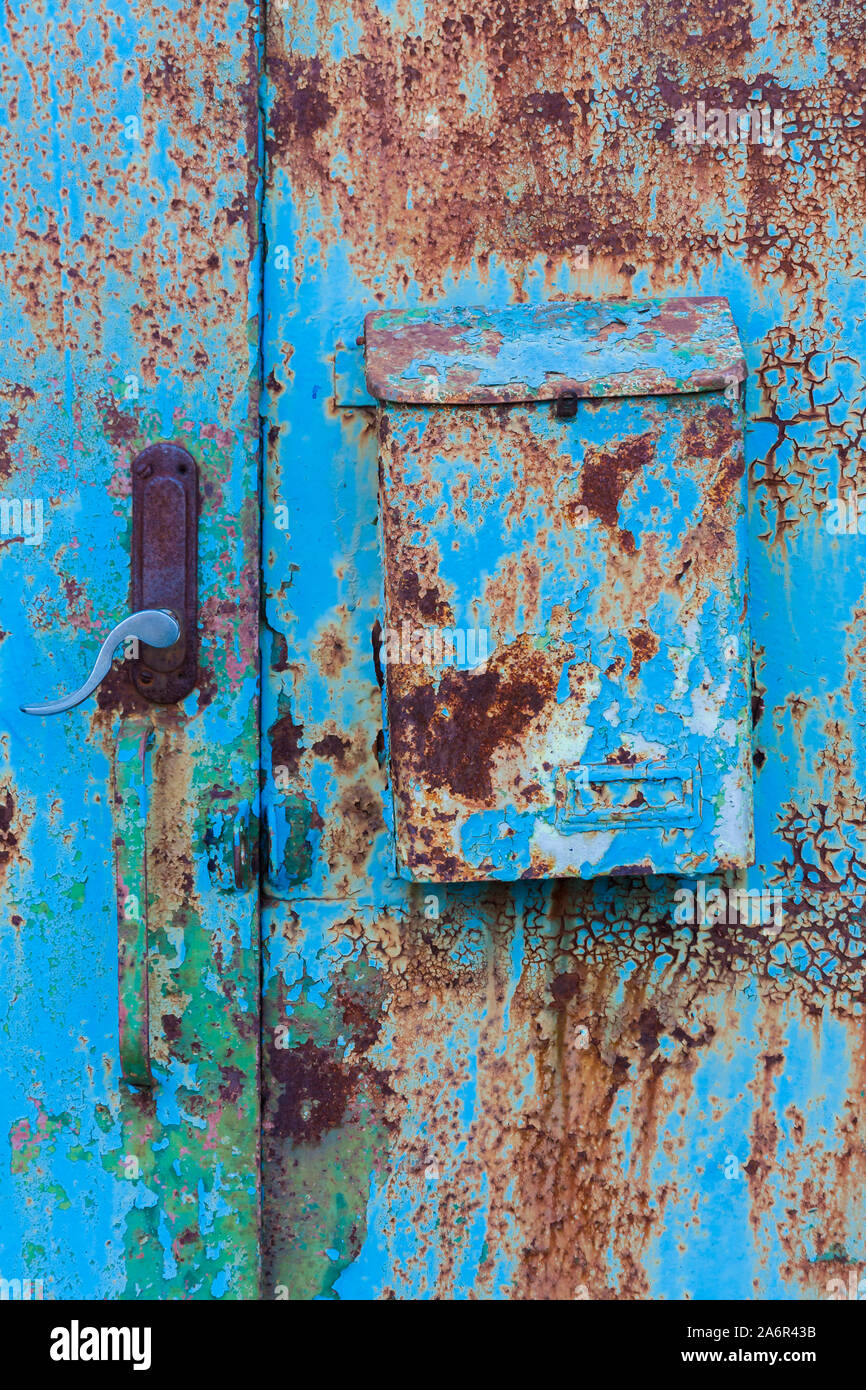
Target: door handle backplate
165,567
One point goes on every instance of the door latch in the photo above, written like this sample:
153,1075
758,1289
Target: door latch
164,668
164,567
164,620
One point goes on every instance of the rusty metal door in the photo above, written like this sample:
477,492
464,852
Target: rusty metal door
528,1085
616,1088
129,933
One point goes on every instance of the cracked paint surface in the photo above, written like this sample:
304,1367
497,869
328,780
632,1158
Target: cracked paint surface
557,1089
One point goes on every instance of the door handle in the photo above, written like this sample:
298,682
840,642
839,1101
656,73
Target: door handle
164,565
155,626
164,575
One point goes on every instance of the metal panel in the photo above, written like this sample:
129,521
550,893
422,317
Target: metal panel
559,1089
128,315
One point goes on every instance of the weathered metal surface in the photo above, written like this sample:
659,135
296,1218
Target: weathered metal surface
536,352
545,1089
565,640
556,1088
130,800
128,315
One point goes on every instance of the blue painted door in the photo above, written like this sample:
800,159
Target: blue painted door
602,1089
128,315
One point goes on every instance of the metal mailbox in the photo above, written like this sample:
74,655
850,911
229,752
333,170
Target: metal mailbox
565,646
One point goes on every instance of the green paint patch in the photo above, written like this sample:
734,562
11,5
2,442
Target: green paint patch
30,1141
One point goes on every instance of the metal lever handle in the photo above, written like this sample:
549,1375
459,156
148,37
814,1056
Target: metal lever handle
156,627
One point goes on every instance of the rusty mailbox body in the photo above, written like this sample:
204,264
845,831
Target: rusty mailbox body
564,544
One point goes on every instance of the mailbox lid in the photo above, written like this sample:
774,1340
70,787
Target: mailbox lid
537,352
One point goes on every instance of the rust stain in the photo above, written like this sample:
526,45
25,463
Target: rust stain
455,728
286,748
